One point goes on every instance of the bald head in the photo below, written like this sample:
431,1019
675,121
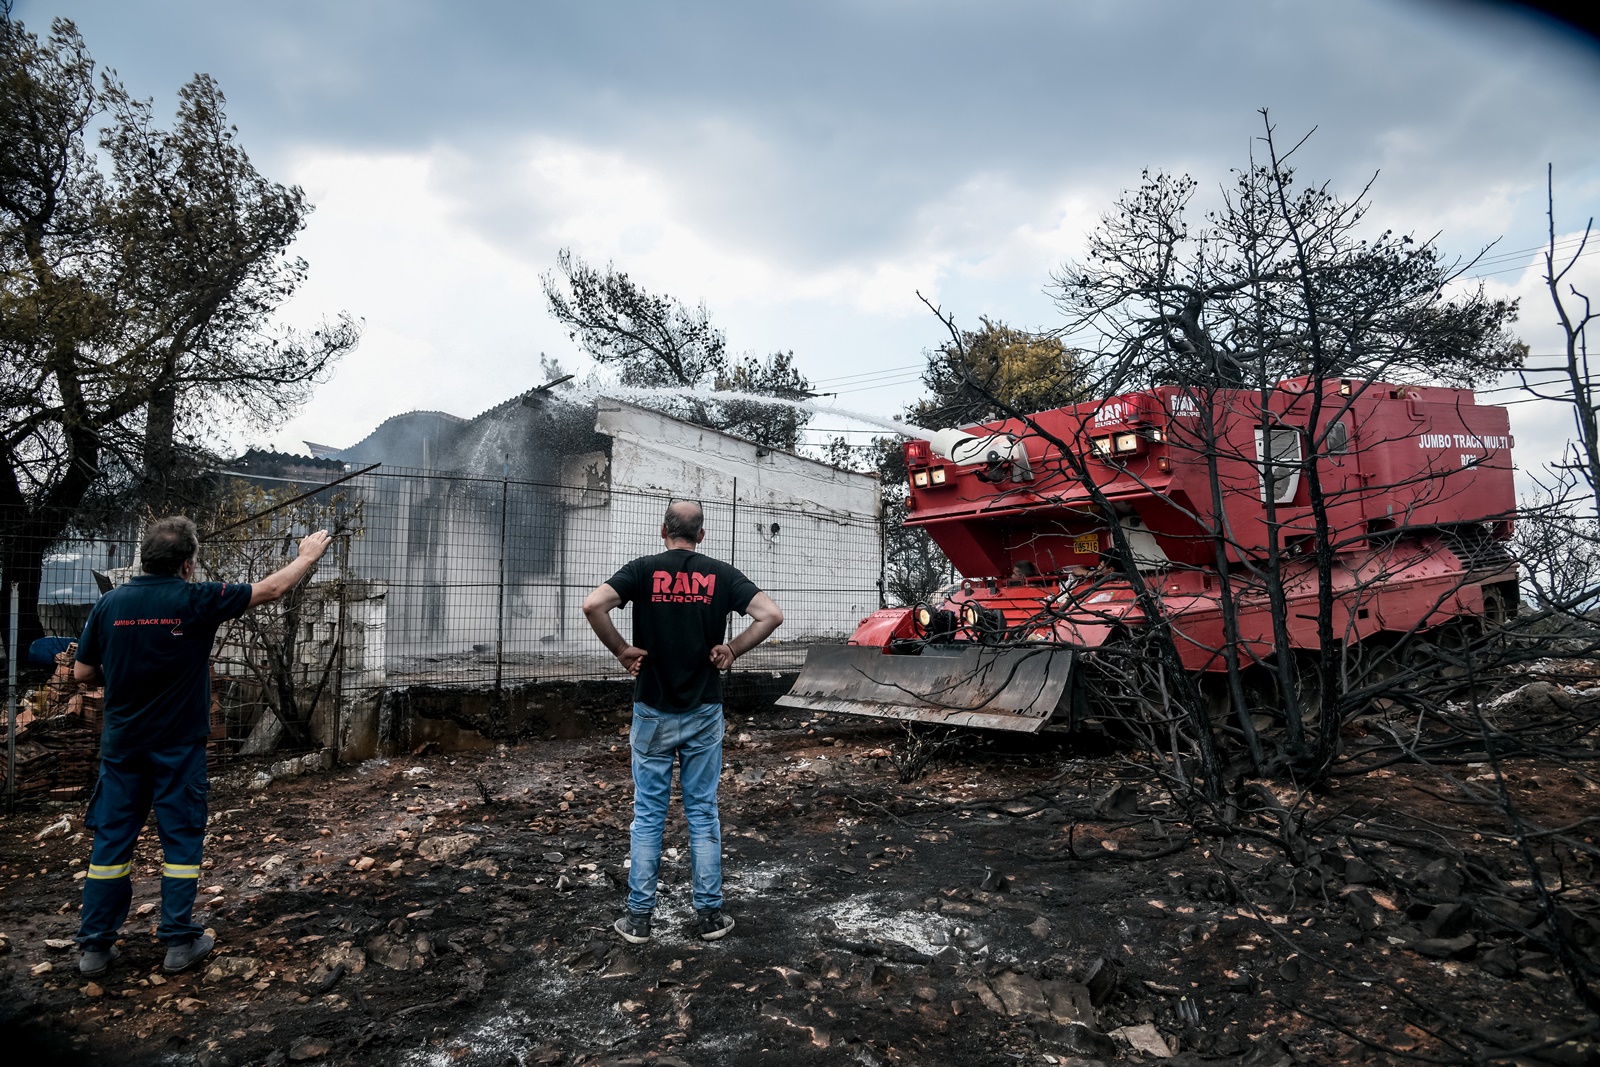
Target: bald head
684,521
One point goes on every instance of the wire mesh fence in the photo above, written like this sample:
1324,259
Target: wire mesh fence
434,580
483,578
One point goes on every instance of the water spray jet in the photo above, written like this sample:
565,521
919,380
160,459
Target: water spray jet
623,392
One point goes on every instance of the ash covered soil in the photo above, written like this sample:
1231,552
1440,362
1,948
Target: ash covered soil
1023,902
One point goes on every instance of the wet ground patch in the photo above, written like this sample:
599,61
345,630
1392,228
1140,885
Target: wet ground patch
1014,905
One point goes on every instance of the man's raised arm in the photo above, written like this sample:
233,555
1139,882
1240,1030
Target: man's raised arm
279,582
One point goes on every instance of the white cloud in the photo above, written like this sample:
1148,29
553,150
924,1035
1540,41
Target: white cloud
444,267
443,260
452,323
1542,428
649,218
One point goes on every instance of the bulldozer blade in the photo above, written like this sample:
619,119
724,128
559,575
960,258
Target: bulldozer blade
995,688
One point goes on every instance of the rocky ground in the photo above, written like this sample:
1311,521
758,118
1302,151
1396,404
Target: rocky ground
1022,903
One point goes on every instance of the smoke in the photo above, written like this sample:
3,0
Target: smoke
523,439
809,406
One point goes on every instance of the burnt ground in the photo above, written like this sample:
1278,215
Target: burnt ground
1023,902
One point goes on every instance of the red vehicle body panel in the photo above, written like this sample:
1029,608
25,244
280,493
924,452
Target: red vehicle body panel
1407,472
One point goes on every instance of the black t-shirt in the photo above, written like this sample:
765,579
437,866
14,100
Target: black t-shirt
152,639
681,601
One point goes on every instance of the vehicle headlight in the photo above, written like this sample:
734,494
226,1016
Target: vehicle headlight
1125,442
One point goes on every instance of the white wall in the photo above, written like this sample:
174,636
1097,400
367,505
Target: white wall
652,451
822,565
436,541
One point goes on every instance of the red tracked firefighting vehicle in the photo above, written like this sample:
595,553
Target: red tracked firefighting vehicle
1418,499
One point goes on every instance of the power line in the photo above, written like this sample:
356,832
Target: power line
1516,388
887,383
871,374
1560,246
1508,270
880,385
1564,398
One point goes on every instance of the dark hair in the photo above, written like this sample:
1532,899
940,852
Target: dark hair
684,525
168,544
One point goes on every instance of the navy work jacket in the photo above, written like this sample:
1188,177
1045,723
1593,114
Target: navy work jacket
152,639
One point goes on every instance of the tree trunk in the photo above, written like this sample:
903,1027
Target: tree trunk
33,527
28,534
296,720
160,455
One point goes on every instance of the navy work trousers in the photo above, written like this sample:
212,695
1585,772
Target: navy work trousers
173,781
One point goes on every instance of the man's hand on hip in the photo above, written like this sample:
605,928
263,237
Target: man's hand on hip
632,657
722,657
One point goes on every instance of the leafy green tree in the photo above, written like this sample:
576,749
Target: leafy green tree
915,568
136,289
1026,370
657,342
768,424
651,341
204,238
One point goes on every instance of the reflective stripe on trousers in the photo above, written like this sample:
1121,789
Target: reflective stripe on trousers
115,870
172,781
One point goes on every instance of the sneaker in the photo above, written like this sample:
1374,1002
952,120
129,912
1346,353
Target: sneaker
634,927
182,957
712,924
96,961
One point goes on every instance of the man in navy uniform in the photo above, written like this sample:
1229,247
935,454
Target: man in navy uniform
149,642
681,600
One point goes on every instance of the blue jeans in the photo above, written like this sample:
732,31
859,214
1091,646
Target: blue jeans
173,781
694,738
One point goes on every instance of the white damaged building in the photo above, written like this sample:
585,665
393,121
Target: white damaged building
477,540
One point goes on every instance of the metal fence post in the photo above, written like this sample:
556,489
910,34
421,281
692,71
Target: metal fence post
733,543
561,570
11,701
883,557
338,646
500,593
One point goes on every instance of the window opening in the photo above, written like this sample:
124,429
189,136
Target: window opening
1282,472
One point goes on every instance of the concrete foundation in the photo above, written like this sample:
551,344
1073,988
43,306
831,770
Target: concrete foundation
462,719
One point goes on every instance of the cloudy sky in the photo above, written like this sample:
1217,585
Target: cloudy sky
805,168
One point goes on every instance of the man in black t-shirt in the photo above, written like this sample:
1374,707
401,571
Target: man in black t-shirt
681,600
149,643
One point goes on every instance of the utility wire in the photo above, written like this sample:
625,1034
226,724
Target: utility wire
1525,266
846,378
1561,246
